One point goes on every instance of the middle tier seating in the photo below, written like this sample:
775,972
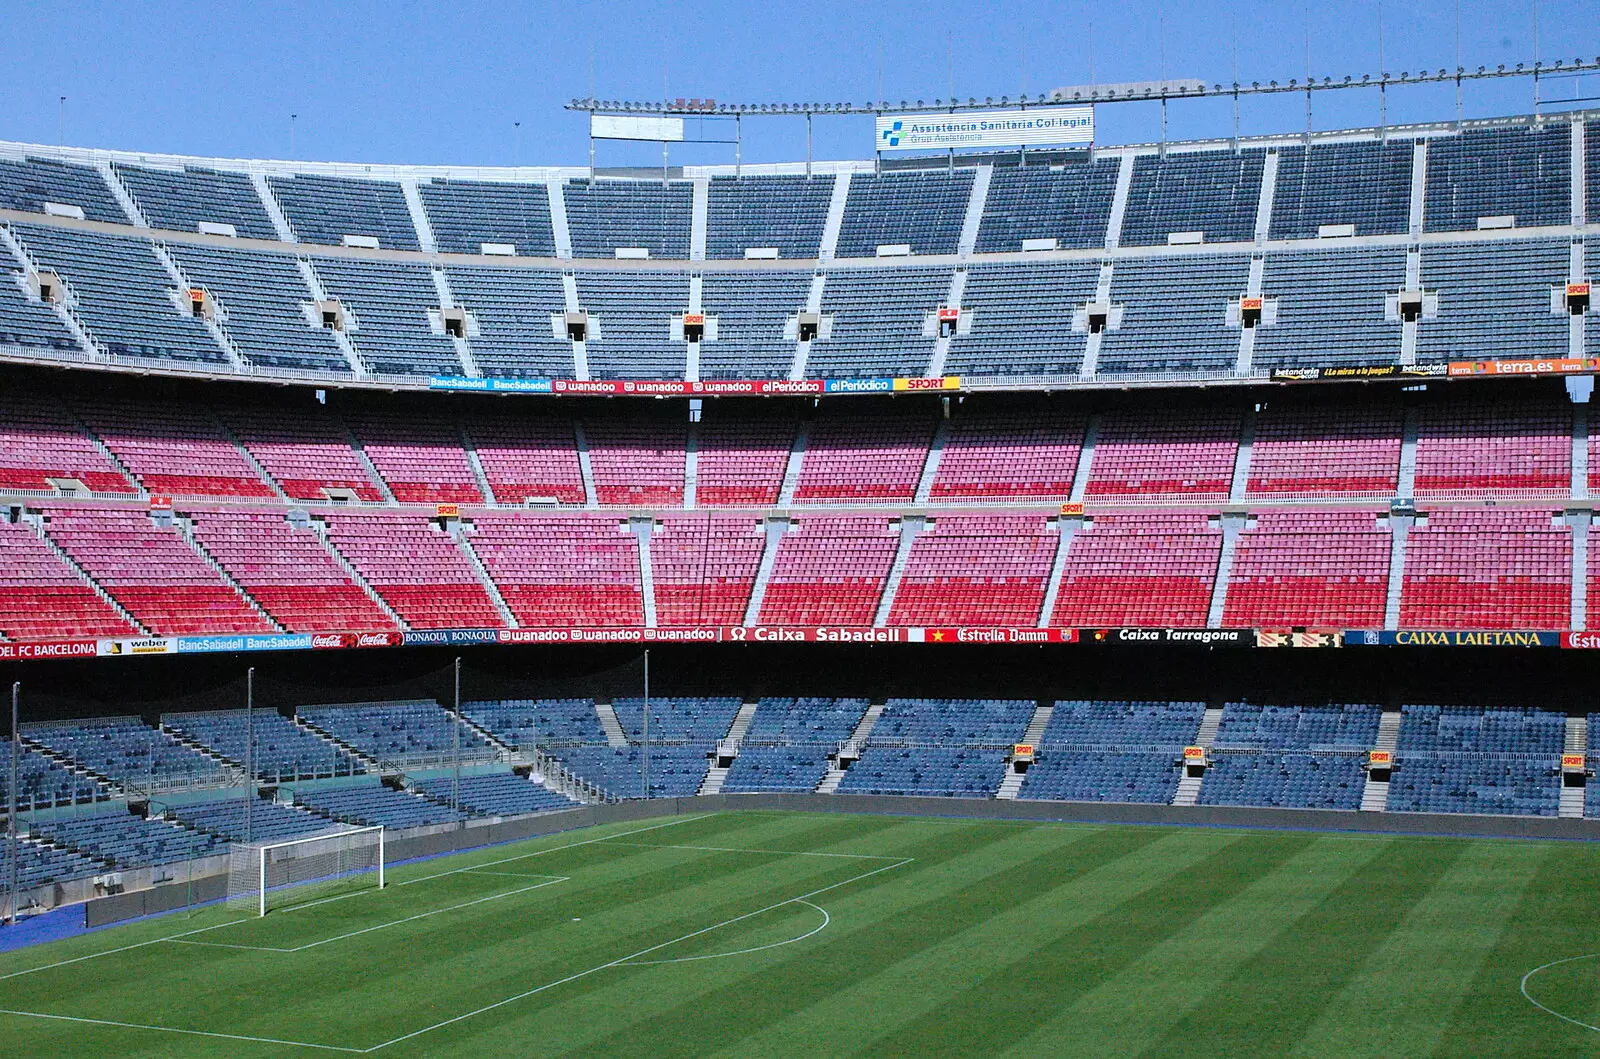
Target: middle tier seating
174,449
977,570
1299,568
416,567
563,571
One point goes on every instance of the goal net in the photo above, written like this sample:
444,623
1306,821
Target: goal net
263,875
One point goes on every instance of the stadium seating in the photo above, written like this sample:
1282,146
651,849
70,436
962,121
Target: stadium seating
1112,751
1312,450
1487,569
370,804
938,772
421,457
1498,449
181,200
830,571
977,570
42,864
1212,192
1174,320
569,571
741,462
605,215
1491,304
307,451
127,752
418,569
1523,173
465,214
753,311
692,721
1170,453
152,571
42,598
40,440
879,318
494,794
946,722
1299,568
512,309
1364,185
795,768
385,307
44,783
856,457
1457,760
634,312
637,462
177,451
543,723
675,771
1018,456
289,572
1331,308
1140,570
705,568
1022,320
325,209
528,458
405,732
1069,203
1285,780
279,750
784,213
922,210
128,841
28,183
269,821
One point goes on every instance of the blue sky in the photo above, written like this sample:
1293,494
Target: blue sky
447,82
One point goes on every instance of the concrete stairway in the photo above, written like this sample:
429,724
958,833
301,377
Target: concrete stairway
851,749
1576,742
1375,795
1011,785
1189,786
728,749
610,725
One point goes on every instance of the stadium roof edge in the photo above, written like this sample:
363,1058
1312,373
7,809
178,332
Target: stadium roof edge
14,150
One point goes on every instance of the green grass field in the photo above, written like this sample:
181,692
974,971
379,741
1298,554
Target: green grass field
786,934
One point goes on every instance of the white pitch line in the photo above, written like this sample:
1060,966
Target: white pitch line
634,956
175,1029
557,849
826,919
1545,967
730,849
550,880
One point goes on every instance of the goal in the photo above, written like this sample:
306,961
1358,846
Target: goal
262,875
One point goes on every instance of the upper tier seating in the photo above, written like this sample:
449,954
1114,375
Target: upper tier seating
1364,185
39,440
181,200
879,317
262,302
1140,570
695,721
306,450
30,326
1299,568
465,214
122,294
174,449
1022,319
525,723
634,311
952,722
416,567
850,458
1493,304
280,750
513,309
494,794
1500,449
152,572
785,213
405,732
566,571
1174,319
127,752
705,567
324,209
371,804
288,571
977,570
1009,456
42,598
421,456
1487,569
385,308
741,461
752,310
129,841
1215,192
269,821
1517,172
637,462
528,457
1069,203
830,571
1331,309
30,183
1326,451
605,215
43,782
923,209
1167,454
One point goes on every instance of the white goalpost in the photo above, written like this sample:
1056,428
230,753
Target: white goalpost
264,874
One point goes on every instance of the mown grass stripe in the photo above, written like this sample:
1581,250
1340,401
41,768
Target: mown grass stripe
1267,1003
1087,880
1129,1011
1408,990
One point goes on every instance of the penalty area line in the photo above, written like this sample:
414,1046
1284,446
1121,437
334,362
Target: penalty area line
176,1029
634,956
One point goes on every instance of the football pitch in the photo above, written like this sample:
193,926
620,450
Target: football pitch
783,934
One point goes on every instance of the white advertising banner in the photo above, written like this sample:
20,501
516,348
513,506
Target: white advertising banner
625,127
986,128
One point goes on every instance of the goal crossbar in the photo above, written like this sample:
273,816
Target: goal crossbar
348,855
